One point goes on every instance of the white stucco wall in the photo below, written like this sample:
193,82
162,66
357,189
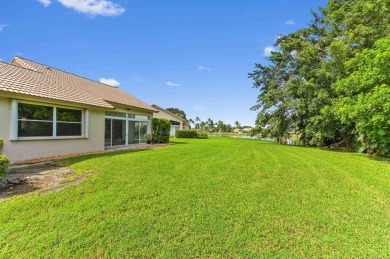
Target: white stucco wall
19,150
164,115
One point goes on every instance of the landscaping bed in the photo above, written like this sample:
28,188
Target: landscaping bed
46,177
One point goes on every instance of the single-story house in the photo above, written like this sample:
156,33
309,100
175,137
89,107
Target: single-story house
47,112
177,123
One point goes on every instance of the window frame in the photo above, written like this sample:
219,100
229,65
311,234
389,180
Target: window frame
15,121
127,119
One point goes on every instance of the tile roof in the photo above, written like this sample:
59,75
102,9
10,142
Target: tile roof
27,77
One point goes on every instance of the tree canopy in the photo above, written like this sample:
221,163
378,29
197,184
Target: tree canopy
327,82
177,112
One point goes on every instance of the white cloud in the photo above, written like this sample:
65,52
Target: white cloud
90,7
109,81
202,68
1,59
290,22
2,26
94,7
268,50
172,84
45,3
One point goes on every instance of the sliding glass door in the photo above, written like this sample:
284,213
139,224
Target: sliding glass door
143,130
118,132
133,132
115,132
107,134
125,129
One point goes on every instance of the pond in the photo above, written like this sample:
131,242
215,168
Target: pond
286,141
252,137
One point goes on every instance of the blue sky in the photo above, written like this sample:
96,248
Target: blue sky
193,55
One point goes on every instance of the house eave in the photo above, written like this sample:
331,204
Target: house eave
27,97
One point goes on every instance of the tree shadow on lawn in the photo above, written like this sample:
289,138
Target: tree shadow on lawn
385,159
106,154
178,143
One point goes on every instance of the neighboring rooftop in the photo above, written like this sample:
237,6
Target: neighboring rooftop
170,113
27,77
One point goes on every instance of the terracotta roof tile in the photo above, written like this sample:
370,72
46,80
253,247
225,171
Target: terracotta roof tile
27,77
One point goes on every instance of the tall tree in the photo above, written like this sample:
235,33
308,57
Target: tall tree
210,125
365,97
197,123
298,85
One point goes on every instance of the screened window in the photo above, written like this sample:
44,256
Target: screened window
141,117
46,121
116,114
175,123
35,120
69,122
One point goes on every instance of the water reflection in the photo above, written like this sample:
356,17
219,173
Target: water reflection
252,137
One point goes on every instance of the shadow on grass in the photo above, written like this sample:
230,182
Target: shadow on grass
385,159
178,143
111,153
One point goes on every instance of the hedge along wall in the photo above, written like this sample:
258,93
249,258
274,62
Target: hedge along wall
161,129
4,161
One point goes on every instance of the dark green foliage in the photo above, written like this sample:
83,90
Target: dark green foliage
161,128
202,135
177,112
191,134
299,89
186,133
365,97
4,161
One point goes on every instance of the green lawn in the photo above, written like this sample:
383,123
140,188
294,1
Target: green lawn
219,197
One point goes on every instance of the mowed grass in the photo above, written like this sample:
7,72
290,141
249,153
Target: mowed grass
219,197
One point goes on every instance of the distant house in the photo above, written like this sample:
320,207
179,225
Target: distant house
247,129
177,123
48,112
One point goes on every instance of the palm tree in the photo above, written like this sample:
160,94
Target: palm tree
238,125
202,125
191,121
197,120
210,124
220,126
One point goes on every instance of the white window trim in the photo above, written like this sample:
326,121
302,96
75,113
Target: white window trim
14,122
127,119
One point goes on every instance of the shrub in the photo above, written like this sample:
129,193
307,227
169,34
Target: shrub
186,134
161,129
191,134
4,161
149,138
202,135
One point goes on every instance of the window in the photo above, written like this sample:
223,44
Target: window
175,123
47,121
116,114
69,122
35,120
125,128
